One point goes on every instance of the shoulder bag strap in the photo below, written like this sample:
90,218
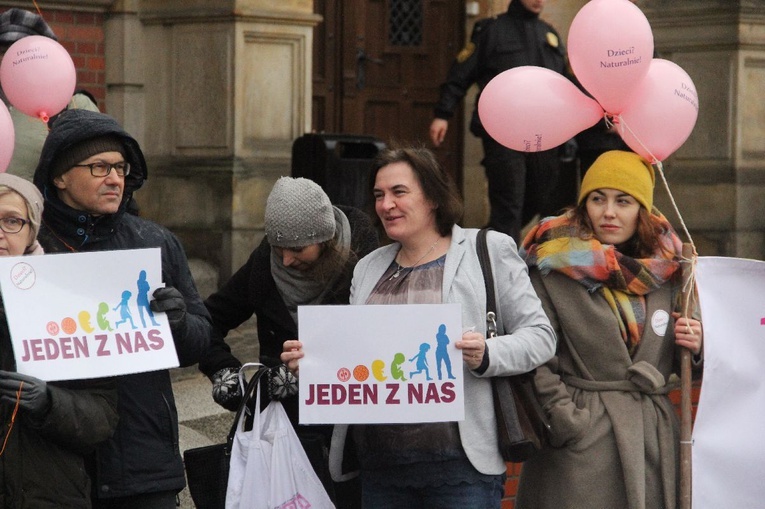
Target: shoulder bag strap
247,395
488,278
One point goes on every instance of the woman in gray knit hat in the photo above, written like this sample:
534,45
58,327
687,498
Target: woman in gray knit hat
308,256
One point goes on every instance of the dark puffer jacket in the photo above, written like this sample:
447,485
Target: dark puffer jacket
42,465
144,455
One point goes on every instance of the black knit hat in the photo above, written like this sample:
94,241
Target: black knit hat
18,23
80,151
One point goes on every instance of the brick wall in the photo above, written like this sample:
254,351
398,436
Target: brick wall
514,469
82,34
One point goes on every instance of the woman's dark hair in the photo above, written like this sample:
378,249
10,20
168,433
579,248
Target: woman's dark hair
643,244
437,185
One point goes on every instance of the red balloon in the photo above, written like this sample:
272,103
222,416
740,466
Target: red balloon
38,76
662,112
610,46
532,108
7,137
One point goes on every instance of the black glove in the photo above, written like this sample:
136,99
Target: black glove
226,390
281,383
169,300
34,393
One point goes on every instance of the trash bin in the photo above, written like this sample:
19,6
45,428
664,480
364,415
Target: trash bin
340,163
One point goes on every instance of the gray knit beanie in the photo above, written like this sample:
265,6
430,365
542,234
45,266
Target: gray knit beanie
84,149
31,195
298,213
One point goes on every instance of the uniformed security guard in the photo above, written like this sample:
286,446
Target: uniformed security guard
521,184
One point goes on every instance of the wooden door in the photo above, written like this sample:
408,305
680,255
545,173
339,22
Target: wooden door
378,65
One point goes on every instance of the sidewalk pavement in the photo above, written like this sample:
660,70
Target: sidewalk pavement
201,421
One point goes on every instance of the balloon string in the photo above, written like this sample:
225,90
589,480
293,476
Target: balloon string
13,417
37,7
688,286
656,163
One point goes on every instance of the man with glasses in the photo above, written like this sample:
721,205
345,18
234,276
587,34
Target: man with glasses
88,170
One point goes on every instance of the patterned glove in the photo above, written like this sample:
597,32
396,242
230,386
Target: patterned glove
226,390
281,382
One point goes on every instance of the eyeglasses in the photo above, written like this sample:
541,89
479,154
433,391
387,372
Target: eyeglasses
12,224
101,169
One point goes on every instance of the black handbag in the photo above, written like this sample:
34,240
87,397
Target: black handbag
522,424
207,467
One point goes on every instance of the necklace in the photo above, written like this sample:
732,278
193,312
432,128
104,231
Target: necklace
412,266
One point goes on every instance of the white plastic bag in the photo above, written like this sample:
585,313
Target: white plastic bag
240,449
269,468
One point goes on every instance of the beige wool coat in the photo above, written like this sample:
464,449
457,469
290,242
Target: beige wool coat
615,438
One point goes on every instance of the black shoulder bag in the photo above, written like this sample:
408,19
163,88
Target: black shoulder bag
521,421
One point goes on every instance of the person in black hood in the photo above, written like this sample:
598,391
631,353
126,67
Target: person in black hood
521,184
88,171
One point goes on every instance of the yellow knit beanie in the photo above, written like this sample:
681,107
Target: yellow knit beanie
621,170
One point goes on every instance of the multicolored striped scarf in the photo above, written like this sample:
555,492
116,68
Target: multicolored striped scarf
555,244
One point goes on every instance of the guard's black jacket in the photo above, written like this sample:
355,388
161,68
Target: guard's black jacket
515,38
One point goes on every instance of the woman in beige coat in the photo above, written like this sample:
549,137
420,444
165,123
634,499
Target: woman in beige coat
608,275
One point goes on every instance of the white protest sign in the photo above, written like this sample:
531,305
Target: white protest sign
728,442
381,364
86,315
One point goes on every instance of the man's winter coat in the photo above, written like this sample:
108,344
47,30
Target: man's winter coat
144,455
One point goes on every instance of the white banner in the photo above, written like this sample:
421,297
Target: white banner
729,430
381,364
86,315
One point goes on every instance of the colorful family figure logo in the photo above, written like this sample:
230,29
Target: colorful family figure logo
442,355
124,307
69,325
421,361
143,299
361,373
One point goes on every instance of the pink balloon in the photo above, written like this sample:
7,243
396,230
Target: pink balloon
531,109
7,137
610,46
38,76
662,113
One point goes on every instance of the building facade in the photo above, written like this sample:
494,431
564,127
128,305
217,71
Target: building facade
217,91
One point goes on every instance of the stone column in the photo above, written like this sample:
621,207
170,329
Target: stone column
123,45
226,90
717,177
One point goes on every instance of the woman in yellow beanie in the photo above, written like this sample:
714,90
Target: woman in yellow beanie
607,272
